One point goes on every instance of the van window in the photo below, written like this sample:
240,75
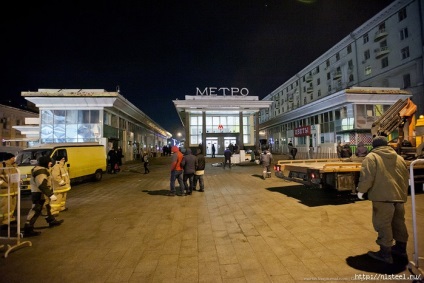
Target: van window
29,157
59,154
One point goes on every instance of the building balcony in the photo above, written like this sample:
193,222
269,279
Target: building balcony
380,34
337,75
309,89
380,52
308,78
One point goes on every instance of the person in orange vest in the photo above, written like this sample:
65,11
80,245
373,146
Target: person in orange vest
176,172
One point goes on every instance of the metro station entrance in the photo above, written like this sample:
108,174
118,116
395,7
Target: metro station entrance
220,142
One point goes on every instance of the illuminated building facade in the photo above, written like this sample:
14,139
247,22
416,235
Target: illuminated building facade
384,52
220,120
94,115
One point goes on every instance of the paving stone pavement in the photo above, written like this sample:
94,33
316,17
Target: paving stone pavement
241,229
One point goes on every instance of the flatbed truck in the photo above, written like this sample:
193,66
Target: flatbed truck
335,173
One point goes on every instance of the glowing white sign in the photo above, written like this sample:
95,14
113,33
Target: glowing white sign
213,91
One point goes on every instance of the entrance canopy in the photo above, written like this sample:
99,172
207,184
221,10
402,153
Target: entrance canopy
220,105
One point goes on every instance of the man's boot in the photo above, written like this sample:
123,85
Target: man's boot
399,249
53,222
384,254
29,231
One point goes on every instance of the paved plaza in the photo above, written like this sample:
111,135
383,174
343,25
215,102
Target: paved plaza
241,229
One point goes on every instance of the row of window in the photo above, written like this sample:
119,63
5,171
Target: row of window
403,34
80,125
219,124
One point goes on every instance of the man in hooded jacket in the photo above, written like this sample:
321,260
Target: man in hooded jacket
189,166
384,177
40,184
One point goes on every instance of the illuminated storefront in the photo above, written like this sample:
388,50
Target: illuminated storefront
94,115
221,119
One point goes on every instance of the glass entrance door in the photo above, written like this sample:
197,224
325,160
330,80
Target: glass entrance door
229,140
209,142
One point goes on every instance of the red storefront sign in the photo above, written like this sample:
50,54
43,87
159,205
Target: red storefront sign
220,127
302,131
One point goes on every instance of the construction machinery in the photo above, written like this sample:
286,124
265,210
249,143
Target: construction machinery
401,117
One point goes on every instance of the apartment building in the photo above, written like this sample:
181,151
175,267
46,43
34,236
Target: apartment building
384,52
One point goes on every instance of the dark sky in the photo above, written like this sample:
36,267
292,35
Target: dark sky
157,51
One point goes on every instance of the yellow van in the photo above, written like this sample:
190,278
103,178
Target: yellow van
83,160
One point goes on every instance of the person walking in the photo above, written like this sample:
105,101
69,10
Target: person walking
213,150
61,184
384,178
146,163
120,156
189,167
200,171
266,159
227,157
113,160
176,172
9,186
40,187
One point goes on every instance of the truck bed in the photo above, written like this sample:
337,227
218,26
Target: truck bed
323,165
340,174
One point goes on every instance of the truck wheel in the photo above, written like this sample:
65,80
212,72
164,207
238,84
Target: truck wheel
98,175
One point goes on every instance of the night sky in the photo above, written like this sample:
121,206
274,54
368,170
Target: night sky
157,51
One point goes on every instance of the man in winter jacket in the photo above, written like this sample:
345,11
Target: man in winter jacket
361,150
266,159
189,166
176,171
200,171
227,157
40,186
384,177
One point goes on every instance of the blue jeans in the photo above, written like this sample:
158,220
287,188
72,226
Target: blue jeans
188,186
177,175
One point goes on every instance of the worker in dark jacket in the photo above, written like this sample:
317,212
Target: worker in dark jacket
227,157
189,165
200,171
361,150
384,177
346,151
40,187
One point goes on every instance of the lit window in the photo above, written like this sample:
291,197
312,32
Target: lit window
368,70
